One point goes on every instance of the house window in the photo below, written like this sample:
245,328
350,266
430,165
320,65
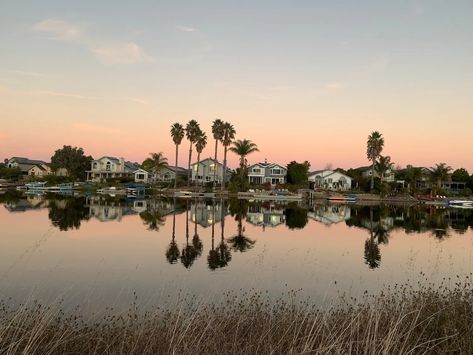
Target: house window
141,176
207,178
257,170
276,171
108,167
195,167
212,168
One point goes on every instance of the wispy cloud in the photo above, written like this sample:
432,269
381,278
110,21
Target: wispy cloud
335,86
184,28
59,28
64,94
108,52
138,100
121,53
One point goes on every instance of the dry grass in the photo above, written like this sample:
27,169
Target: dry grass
402,320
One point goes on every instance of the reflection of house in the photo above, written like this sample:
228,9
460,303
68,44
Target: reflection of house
265,216
110,167
204,215
23,205
205,171
330,214
262,173
366,172
330,179
106,211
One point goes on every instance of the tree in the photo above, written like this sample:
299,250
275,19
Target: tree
375,146
155,163
461,175
172,252
297,173
440,173
67,213
73,160
192,132
200,143
243,148
177,134
382,166
228,136
218,133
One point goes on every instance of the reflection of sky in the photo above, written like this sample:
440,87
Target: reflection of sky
104,262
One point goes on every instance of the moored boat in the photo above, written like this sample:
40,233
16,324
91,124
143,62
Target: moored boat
461,203
342,198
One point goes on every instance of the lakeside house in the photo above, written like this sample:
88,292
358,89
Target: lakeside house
110,167
366,172
166,174
28,166
204,172
262,173
329,180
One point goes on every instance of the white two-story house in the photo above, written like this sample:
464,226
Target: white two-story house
330,180
110,167
204,172
262,173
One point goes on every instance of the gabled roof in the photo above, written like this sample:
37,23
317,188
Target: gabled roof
109,158
26,161
320,171
39,166
206,160
130,165
267,165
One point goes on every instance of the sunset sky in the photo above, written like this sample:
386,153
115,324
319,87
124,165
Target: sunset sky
304,80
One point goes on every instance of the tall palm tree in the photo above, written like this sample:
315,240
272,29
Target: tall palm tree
440,173
155,162
200,143
218,132
192,132
243,148
382,166
177,134
228,136
375,146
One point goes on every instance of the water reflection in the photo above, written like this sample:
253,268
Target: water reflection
69,213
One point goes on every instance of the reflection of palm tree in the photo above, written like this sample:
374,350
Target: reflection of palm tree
240,242
152,219
172,253
222,255
196,242
372,252
189,254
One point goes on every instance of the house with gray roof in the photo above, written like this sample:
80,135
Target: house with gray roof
329,180
110,167
262,173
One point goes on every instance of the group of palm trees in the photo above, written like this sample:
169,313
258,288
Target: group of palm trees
379,164
223,133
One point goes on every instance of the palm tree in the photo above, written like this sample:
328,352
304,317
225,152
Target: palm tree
177,134
372,252
192,132
228,136
243,148
196,242
374,148
440,173
218,132
382,166
155,163
240,242
153,219
200,143
189,254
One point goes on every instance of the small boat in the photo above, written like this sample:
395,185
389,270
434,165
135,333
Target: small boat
111,191
461,203
184,194
37,185
268,197
342,198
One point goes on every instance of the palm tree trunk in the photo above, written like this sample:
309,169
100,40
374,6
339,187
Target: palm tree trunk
215,164
189,172
224,173
242,175
372,175
195,216
197,173
222,219
174,220
175,172
213,223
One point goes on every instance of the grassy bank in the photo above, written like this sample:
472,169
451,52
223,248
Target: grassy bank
399,321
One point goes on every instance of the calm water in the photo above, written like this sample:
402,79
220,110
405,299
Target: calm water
97,251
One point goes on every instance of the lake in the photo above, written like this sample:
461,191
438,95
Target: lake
99,251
